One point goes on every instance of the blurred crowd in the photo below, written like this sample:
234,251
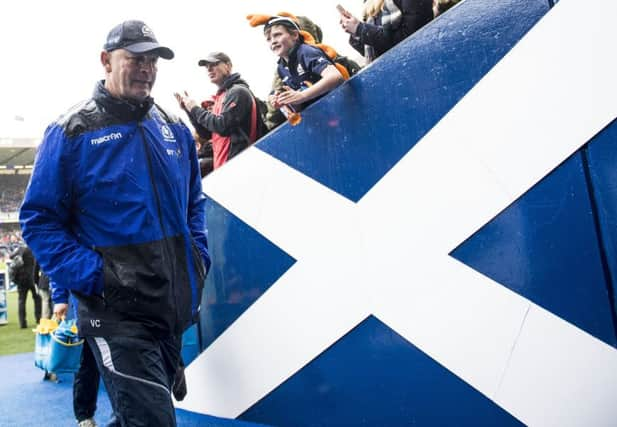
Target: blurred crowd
12,192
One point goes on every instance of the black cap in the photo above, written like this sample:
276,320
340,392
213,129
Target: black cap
213,58
136,37
281,20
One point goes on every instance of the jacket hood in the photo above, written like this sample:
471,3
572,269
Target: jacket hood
232,80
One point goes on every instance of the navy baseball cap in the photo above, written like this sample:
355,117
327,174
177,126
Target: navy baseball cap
136,37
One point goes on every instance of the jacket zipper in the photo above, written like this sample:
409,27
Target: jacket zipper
166,250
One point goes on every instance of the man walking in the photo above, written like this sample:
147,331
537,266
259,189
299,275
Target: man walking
115,213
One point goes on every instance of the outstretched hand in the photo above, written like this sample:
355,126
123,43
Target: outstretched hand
349,23
185,102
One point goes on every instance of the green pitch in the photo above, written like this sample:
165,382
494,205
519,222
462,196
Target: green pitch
12,339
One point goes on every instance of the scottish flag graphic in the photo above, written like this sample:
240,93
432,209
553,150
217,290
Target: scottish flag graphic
435,243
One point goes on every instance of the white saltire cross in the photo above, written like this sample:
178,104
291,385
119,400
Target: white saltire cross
387,255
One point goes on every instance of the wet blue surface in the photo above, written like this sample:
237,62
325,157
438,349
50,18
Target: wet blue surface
374,377
544,246
26,400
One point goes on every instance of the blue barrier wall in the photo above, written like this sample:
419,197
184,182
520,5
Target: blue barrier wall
514,323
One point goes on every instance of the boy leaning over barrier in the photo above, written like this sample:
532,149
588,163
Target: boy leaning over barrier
306,71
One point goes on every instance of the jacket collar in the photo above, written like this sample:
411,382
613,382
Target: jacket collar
230,81
292,57
121,108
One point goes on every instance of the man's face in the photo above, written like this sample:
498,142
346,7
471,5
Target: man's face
129,76
218,72
281,40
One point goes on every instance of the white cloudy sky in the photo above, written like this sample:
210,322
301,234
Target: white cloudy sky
50,50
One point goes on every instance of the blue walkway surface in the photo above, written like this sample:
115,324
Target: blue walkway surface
26,400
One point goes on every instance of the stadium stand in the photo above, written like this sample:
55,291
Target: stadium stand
16,159
12,191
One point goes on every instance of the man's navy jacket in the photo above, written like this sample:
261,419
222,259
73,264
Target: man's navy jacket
114,212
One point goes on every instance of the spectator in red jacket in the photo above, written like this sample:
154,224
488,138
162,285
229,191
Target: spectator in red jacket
231,122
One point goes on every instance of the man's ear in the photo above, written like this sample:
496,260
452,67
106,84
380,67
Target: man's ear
106,61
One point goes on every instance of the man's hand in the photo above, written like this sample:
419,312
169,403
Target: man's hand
272,100
60,310
185,102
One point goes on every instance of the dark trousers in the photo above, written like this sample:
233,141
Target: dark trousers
22,290
86,385
138,374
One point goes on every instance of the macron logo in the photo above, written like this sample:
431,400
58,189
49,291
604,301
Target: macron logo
111,137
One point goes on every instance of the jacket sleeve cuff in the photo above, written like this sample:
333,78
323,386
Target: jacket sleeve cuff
358,34
195,111
59,295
